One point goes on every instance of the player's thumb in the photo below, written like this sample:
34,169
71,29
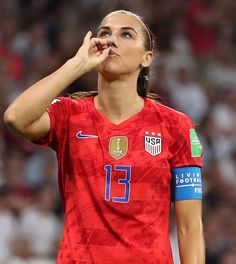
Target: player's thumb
104,54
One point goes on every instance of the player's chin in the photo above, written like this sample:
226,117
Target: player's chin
110,69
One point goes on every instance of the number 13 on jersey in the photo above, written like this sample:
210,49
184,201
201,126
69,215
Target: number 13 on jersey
124,181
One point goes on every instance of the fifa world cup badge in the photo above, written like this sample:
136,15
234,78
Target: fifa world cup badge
196,147
118,146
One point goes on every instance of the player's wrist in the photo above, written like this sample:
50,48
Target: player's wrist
76,67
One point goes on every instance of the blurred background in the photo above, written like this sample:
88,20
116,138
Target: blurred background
194,72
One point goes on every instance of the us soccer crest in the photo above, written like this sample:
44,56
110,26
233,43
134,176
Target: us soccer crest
118,146
153,144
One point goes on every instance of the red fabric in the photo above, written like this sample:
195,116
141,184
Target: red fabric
99,231
202,38
13,61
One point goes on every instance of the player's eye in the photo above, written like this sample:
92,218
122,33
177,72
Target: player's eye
126,34
103,34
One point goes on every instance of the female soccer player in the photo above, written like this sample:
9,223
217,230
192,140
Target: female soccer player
119,153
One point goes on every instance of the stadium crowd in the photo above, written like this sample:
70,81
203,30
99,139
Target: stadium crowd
194,72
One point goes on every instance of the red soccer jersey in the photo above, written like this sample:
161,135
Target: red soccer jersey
115,180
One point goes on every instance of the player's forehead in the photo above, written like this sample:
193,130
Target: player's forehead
122,20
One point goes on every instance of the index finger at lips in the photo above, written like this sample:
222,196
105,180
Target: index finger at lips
101,42
94,43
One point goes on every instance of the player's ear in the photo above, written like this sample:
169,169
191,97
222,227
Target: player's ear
147,59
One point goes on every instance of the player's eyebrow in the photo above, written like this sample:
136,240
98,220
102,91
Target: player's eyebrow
122,28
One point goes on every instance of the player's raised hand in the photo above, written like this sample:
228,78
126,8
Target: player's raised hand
92,52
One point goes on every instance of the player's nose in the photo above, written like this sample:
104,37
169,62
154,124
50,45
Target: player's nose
111,43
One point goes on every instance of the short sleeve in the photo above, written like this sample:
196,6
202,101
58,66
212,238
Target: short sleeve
58,112
186,149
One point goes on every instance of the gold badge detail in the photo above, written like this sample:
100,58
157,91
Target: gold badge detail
118,147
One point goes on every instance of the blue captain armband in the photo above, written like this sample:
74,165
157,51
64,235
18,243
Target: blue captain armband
186,184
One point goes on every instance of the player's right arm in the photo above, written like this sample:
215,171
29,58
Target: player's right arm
27,114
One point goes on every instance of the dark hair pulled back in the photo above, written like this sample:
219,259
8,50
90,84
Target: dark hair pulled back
144,74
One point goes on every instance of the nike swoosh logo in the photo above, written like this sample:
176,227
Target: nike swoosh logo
79,135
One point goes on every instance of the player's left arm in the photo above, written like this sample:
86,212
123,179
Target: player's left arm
187,191
190,231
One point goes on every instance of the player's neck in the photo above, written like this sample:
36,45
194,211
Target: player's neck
118,100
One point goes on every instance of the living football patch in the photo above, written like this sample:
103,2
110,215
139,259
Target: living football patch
186,184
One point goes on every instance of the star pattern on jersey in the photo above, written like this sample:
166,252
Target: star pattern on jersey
152,133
